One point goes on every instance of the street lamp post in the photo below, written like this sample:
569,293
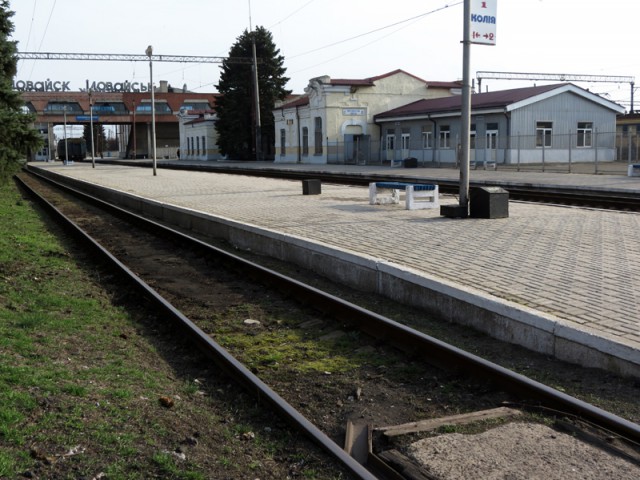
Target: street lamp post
134,130
149,52
93,151
66,143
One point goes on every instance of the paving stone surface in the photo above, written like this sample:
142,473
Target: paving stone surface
581,265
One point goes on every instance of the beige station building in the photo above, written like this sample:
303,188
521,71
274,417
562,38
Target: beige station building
333,121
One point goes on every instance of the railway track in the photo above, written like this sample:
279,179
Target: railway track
400,372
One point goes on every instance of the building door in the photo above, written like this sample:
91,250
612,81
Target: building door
404,145
357,151
492,146
390,145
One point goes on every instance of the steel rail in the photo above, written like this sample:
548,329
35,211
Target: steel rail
208,346
429,348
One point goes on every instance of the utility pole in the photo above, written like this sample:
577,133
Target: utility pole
256,91
256,87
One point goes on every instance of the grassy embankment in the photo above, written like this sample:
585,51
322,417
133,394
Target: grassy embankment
80,386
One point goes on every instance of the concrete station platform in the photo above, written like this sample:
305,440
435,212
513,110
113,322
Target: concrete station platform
562,281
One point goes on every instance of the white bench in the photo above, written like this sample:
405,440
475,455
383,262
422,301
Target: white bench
633,170
417,196
487,165
410,162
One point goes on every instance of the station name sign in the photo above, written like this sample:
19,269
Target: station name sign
90,86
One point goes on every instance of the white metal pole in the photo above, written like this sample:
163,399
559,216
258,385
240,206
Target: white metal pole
149,53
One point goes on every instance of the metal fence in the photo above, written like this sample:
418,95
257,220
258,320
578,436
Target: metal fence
595,152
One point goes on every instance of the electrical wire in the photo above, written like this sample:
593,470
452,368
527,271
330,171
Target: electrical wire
291,14
44,34
375,30
355,49
33,14
53,7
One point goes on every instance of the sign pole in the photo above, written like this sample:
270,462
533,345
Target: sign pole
479,26
466,111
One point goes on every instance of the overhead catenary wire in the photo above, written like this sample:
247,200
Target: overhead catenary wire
352,51
44,33
416,17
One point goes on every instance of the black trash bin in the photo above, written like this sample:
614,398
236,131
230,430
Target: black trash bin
411,162
311,187
488,202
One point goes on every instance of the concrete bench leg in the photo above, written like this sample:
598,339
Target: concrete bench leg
431,198
382,200
490,165
373,193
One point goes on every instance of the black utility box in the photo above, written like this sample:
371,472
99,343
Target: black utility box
411,162
454,211
488,202
311,187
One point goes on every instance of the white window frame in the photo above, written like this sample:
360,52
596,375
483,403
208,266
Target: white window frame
444,137
544,134
427,139
584,136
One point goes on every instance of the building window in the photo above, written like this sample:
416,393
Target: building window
197,145
305,141
427,138
318,136
283,138
145,107
445,137
472,136
204,149
61,107
543,134
585,130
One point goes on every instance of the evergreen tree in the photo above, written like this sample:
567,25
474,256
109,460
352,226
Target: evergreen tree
235,106
18,136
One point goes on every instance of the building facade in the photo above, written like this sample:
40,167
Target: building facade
552,123
129,112
334,119
198,136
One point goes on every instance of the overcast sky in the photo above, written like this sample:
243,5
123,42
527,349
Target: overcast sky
342,39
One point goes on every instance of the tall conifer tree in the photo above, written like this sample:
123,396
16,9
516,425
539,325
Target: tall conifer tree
235,107
17,135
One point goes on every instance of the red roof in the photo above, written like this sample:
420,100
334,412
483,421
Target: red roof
371,80
489,100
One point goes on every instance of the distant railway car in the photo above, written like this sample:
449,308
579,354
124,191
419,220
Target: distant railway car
77,149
